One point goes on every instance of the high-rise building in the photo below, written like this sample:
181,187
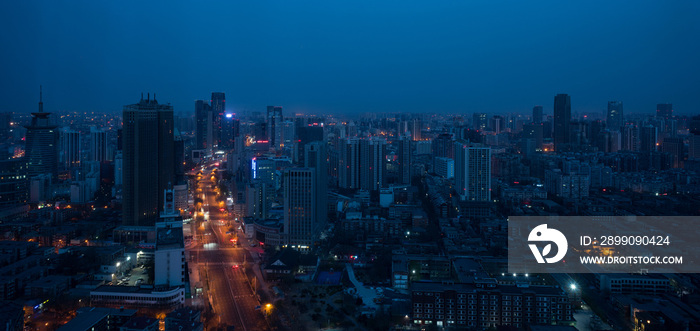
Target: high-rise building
404,164
274,125
306,134
147,160
562,120
472,171
118,169
349,164
99,145
169,256
288,135
202,114
443,146
416,127
534,131
230,127
373,170
630,138
664,110
694,138
316,157
445,167
70,145
649,138
218,109
615,118
41,148
674,146
497,123
300,210
479,121
13,181
537,114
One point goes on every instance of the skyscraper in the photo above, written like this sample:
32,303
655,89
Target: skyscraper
615,118
230,126
416,127
472,171
306,134
70,145
274,125
300,210
41,149
562,118
649,138
147,160
218,109
316,157
537,114
13,181
674,146
443,146
404,160
479,121
99,145
202,114
349,164
373,170
534,131
630,138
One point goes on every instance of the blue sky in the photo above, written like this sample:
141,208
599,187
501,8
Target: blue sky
352,57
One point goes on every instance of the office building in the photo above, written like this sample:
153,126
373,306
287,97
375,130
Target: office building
416,127
497,124
535,132
443,146
349,164
288,135
70,147
537,114
147,160
473,171
403,164
562,120
630,138
203,131
300,224
372,159
615,119
674,146
274,126
316,157
99,146
230,128
13,181
218,110
41,144
649,138
306,134
479,121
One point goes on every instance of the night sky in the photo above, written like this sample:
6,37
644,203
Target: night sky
352,56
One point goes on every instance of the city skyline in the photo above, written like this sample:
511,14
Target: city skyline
363,166
445,58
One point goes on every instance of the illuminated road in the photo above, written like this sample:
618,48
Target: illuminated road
233,300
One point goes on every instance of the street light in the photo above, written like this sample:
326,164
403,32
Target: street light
573,286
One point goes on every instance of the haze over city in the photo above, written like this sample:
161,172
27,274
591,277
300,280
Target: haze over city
350,58
362,166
